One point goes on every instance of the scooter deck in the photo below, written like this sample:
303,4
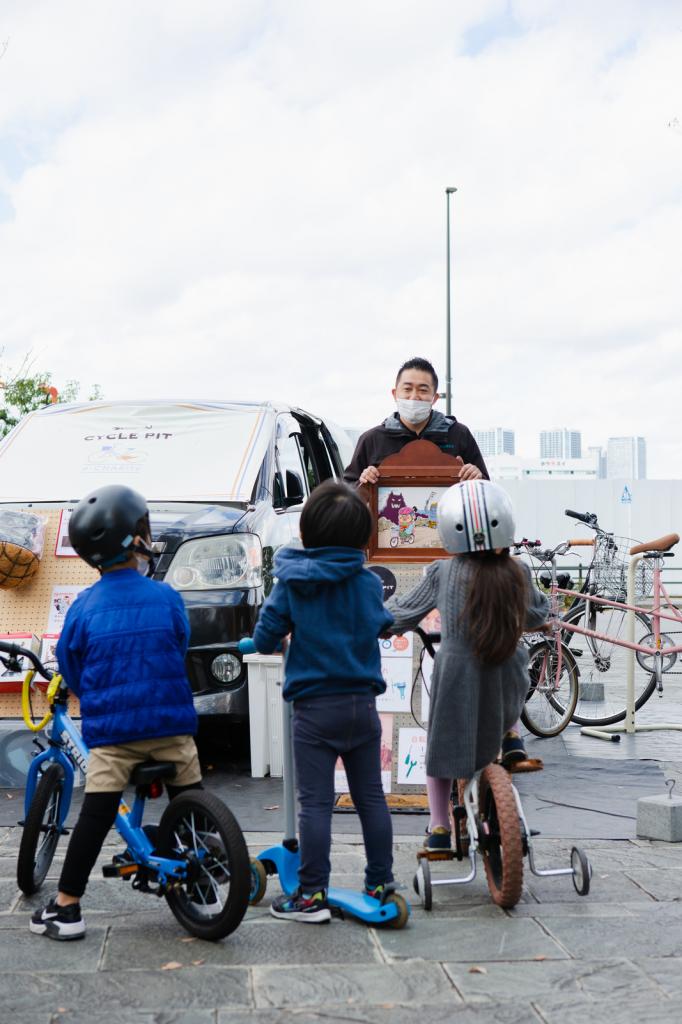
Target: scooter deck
357,904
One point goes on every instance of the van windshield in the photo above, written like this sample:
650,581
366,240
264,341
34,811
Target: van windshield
168,451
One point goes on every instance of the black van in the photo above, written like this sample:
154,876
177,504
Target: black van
221,562
225,483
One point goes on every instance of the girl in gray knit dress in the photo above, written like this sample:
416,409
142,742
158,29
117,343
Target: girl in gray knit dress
486,599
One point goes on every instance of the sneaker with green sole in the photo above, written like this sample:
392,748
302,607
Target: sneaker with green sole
439,839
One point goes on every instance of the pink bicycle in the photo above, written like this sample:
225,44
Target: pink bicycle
586,652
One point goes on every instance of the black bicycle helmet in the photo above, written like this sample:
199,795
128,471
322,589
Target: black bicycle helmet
104,524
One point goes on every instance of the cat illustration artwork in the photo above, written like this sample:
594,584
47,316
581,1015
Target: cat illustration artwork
392,507
408,517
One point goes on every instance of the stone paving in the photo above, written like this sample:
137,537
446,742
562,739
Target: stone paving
557,958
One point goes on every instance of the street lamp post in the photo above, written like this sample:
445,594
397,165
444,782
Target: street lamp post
448,367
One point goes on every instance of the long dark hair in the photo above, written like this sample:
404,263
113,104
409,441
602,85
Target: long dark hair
496,604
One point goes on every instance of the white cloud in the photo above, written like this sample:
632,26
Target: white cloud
247,200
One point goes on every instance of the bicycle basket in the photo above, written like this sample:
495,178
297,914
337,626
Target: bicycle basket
609,569
22,535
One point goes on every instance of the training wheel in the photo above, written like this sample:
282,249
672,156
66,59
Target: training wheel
259,882
400,920
582,871
422,884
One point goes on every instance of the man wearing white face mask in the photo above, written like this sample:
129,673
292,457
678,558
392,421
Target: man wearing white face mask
415,392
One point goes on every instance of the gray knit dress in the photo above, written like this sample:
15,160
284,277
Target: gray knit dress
472,706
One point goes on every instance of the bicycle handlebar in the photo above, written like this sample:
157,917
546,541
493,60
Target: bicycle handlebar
584,517
428,639
15,651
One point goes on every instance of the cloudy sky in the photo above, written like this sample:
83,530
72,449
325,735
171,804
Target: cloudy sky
245,199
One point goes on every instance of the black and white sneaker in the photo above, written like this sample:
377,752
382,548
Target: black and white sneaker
61,923
309,907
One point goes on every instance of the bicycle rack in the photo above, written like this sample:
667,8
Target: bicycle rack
610,732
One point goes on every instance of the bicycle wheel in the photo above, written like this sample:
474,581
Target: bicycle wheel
500,838
41,830
602,664
197,827
552,696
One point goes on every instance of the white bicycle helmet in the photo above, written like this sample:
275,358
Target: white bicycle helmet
475,515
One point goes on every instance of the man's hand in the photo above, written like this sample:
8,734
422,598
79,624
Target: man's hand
468,472
370,475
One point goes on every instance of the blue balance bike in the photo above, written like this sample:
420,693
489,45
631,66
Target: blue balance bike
284,859
196,857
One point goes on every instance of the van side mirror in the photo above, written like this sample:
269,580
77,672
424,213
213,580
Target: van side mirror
295,493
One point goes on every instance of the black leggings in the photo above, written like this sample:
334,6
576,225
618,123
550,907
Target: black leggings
97,815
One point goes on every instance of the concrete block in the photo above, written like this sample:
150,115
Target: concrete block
660,817
591,691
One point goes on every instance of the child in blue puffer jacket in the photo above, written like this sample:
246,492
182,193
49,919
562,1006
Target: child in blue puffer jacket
122,653
333,608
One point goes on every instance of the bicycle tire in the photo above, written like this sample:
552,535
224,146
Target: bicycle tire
197,821
500,836
458,825
602,665
549,705
42,823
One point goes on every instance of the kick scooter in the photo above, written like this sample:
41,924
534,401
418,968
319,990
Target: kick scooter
284,859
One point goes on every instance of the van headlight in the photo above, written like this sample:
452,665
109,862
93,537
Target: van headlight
217,563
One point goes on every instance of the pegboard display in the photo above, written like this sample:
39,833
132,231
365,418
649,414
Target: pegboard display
26,609
407,576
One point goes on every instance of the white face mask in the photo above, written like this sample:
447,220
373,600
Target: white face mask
413,410
142,565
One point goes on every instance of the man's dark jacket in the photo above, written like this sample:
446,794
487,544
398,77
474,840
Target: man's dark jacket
376,444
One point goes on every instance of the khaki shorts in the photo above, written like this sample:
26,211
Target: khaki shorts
109,768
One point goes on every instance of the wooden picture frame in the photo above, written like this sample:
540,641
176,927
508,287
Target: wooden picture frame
421,472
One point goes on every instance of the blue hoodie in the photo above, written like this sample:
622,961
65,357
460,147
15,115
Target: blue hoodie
333,607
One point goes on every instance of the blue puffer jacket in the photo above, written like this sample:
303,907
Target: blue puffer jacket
122,653
334,609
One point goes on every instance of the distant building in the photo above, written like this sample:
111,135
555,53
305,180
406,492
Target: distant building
495,441
626,458
513,467
560,444
598,454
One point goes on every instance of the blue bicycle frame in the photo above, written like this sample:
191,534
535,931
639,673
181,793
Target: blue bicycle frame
68,749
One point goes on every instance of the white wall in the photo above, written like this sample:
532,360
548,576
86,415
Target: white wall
656,509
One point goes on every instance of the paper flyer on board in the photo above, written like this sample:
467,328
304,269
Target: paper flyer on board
60,602
411,757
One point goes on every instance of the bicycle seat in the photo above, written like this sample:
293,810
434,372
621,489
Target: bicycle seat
146,772
662,544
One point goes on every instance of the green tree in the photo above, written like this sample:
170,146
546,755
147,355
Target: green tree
26,391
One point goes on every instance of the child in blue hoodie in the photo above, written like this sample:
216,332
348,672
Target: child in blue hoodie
333,608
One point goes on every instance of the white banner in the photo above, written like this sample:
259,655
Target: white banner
173,451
